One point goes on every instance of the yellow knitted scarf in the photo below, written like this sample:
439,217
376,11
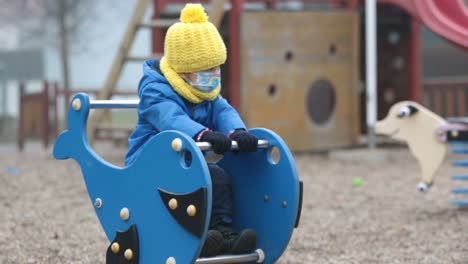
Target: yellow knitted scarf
184,89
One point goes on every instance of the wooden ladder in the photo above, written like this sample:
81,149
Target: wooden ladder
123,55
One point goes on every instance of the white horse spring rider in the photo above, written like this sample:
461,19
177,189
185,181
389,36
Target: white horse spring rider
420,129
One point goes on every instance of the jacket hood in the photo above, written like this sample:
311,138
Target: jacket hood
151,73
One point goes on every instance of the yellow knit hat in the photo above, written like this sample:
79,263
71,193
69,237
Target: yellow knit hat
194,44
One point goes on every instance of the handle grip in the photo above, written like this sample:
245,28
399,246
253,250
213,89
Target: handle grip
207,146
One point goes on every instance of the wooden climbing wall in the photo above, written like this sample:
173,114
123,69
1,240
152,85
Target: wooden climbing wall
299,76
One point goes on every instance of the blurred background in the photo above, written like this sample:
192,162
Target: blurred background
296,67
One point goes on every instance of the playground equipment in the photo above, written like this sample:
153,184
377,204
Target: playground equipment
335,50
425,132
321,75
157,210
446,97
158,25
37,114
427,135
449,19
314,79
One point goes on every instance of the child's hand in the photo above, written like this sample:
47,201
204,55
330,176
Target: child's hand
219,142
246,141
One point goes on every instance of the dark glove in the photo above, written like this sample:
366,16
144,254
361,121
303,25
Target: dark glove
246,141
219,142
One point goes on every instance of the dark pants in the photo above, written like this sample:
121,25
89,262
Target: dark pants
221,212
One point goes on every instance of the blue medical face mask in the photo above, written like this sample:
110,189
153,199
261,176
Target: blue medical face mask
206,81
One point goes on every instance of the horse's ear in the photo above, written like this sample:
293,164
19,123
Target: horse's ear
407,110
413,109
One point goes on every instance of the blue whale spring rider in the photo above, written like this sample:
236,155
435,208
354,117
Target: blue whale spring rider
162,216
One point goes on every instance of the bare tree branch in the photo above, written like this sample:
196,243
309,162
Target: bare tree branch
38,19
62,20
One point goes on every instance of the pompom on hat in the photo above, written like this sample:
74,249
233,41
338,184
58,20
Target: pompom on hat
193,44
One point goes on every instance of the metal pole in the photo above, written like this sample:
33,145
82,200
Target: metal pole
3,85
64,52
371,70
106,104
257,256
262,143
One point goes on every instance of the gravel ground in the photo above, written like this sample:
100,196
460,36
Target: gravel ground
47,216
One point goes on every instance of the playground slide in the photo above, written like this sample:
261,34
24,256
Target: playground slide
446,18
449,19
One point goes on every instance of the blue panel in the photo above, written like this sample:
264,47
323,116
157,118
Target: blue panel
460,177
136,187
459,143
460,150
460,202
460,163
460,190
266,195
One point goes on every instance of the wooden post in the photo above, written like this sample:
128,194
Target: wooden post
20,139
125,46
217,12
352,4
271,3
158,33
4,94
414,75
55,126
112,78
45,109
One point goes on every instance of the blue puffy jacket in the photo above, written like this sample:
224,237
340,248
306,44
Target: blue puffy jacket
161,108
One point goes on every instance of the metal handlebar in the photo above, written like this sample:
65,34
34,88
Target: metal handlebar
113,104
257,256
207,146
126,104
